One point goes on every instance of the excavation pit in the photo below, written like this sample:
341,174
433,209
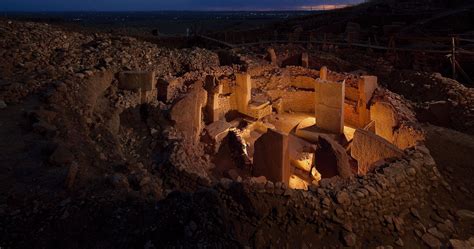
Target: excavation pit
299,128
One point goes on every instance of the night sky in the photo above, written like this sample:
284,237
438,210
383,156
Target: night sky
137,5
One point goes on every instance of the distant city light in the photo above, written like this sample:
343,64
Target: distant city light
324,6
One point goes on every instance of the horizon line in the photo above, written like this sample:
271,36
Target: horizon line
305,8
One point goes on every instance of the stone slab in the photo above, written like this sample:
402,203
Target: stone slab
367,86
368,148
134,80
329,105
385,120
271,158
218,130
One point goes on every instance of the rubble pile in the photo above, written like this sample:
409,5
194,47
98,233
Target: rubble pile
439,100
36,55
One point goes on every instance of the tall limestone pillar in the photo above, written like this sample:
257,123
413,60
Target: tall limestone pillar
329,109
243,91
323,73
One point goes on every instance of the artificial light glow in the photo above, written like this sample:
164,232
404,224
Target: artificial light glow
324,6
297,183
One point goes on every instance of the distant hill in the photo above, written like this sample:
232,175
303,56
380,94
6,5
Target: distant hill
378,13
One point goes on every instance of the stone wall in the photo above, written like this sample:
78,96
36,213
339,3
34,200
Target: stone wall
351,115
297,101
395,120
378,201
352,93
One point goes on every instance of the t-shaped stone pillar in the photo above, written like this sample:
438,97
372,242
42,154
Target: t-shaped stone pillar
243,91
323,73
330,105
367,86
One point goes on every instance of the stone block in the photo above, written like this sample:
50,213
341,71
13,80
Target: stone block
385,120
329,106
134,80
368,148
271,157
367,86
218,130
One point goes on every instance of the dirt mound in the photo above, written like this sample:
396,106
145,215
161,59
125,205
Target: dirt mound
441,101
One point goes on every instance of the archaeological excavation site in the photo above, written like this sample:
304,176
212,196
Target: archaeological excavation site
345,128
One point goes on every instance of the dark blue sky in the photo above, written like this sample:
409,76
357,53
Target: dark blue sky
132,5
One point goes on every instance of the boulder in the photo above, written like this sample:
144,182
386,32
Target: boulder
465,214
431,241
459,244
343,198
